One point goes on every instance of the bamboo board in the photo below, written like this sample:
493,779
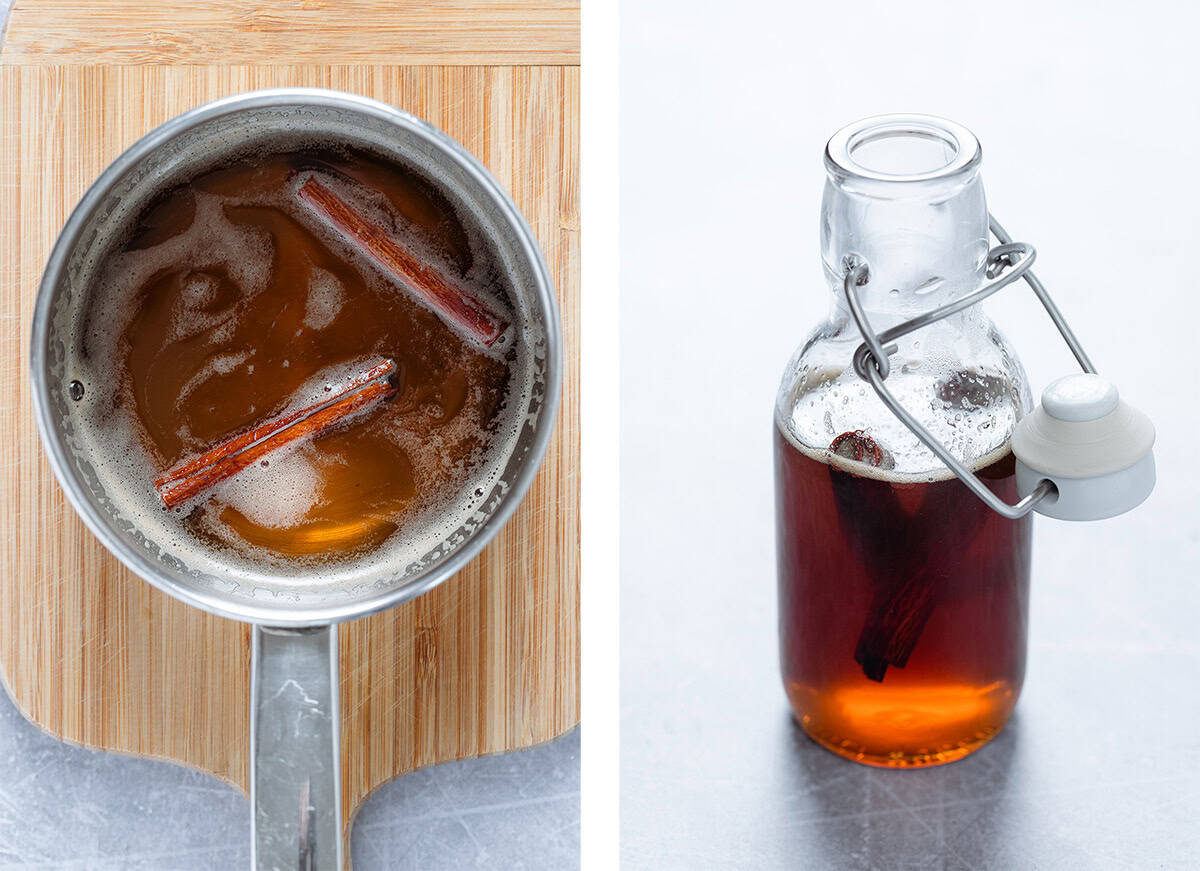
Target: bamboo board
488,662
294,31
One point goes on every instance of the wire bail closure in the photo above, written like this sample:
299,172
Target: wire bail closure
1007,262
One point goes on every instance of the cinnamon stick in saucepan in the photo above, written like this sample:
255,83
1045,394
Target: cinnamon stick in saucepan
193,477
451,302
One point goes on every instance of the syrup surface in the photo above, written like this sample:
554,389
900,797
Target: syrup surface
229,304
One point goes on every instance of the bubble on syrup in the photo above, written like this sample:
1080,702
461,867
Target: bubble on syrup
292,480
325,297
200,290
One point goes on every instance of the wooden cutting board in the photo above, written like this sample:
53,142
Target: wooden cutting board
489,661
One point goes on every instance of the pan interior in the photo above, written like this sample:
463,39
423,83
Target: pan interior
132,524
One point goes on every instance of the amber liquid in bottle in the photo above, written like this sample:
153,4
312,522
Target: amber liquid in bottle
903,607
225,301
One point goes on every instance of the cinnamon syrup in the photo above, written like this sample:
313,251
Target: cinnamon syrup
903,607
227,305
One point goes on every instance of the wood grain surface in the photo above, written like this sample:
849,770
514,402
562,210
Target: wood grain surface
294,31
485,663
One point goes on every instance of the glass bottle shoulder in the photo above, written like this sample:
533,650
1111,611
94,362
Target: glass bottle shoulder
960,378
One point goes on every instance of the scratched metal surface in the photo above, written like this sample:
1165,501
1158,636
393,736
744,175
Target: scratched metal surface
65,808
1101,767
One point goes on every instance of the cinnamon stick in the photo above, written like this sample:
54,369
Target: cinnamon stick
453,304
201,473
915,585
897,618
913,566
880,537
903,554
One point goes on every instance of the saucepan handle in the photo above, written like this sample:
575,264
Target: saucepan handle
295,765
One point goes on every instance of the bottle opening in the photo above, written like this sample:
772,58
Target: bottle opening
908,152
902,148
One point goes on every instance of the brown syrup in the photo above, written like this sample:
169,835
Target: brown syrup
875,571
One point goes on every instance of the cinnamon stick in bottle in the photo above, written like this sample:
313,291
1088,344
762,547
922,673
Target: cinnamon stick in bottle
908,561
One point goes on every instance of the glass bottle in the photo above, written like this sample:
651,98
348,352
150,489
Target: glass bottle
903,598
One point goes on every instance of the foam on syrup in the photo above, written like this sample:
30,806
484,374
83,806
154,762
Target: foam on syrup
291,477
325,296
827,403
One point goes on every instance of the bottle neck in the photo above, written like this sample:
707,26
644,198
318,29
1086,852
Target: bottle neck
904,194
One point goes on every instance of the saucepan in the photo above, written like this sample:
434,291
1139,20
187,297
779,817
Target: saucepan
295,780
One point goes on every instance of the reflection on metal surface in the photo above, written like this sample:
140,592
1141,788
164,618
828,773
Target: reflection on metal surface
295,770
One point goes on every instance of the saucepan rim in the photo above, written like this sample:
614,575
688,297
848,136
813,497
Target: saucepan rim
251,609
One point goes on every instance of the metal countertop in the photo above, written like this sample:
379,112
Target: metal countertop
63,807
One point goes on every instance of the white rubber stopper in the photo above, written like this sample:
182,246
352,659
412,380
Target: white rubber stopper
1094,447
1079,398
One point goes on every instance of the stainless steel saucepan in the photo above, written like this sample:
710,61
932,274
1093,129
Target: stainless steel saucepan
295,781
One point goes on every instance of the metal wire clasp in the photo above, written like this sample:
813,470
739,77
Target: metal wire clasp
1007,262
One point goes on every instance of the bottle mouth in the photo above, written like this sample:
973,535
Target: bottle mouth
902,148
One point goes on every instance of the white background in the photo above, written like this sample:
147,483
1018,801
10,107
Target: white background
1090,129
